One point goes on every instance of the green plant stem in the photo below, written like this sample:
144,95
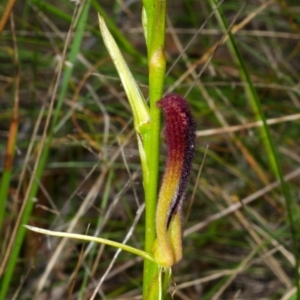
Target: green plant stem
156,16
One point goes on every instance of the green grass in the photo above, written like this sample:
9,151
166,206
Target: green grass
90,159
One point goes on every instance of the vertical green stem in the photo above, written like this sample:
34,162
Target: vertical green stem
156,22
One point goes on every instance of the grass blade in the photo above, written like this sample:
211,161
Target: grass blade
265,132
44,150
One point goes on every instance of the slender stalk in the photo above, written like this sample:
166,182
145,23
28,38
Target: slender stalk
156,21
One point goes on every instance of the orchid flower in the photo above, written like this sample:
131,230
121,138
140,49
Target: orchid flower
180,137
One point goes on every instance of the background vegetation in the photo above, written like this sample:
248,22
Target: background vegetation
76,135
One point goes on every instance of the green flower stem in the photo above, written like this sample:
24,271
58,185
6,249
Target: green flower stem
146,122
155,11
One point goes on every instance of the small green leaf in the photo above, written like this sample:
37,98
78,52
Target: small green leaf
88,238
137,102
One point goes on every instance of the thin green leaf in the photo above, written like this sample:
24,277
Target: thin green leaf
137,102
88,238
